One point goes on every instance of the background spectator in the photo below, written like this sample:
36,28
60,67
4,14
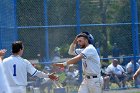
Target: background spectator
115,50
130,69
116,74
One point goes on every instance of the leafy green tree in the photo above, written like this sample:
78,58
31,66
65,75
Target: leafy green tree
122,35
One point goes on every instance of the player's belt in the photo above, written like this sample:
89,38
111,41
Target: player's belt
89,77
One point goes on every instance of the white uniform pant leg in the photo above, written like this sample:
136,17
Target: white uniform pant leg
83,87
93,85
18,89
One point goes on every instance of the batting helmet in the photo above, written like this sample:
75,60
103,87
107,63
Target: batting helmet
90,37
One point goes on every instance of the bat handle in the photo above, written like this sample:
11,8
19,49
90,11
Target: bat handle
56,85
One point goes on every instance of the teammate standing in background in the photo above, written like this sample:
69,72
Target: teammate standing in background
16,69
4,86
92,82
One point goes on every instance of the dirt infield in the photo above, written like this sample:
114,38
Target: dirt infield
135,90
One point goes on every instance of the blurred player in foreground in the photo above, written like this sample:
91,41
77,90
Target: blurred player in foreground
16,69
136,74
4,86
93,81
136,77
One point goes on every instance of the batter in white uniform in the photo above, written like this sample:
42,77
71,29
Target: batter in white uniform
92,82
4,86
16,69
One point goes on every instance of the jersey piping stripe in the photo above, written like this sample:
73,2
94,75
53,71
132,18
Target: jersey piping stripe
34,73
76,53
84,55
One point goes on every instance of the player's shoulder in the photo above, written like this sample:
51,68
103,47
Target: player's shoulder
119,65
90,47
7,59
129,64
25,60
110,66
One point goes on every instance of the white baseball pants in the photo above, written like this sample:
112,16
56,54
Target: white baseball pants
93,85
18,89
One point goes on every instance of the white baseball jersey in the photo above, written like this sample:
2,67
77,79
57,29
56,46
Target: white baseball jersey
91,67
131,65
16,69
4,86
90,61
116,70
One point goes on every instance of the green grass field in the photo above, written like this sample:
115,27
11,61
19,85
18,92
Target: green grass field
132,90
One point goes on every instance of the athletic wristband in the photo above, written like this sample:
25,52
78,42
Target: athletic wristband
65,63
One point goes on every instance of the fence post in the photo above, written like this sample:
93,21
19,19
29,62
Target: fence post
78,31
15,19
134,31
46,32
8,25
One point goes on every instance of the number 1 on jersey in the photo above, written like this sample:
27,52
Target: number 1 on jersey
14,66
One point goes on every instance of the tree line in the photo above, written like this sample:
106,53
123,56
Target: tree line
55,13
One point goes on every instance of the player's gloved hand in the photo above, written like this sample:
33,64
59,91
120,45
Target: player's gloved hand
52,76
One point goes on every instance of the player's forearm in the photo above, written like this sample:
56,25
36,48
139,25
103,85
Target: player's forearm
74,60
72,46
0,59
137,72
41,74
72,49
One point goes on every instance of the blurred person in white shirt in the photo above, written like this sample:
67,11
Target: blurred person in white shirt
4,85
130,69
115,73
